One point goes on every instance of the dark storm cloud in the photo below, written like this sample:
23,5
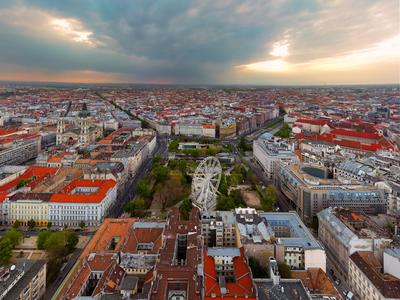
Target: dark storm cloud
186,41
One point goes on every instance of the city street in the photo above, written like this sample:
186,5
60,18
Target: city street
130,186
55,284
335,276
282,201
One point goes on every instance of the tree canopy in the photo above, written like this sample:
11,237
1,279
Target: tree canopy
257,269
268,197
284,131
185,208
160,173
11,239
57,244
136,208
229,202
173,146
5,250
284,270
144,189
15,236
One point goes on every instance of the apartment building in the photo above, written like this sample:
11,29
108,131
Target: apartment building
343,232
311,189
26,280
86,201
19,151
24,207
263,234
268,150
294,243
368,280
277,288
219,229
254,234
227,274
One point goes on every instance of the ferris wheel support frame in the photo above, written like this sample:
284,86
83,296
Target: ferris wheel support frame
205,183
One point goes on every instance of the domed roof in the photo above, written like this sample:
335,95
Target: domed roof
84,113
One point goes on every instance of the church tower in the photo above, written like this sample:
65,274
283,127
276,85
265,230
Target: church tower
84,125
60,131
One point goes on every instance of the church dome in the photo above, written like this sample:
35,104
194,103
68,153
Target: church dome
84,113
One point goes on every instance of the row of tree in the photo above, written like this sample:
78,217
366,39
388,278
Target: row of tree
10,240
166,184
244,146
58,246
32,224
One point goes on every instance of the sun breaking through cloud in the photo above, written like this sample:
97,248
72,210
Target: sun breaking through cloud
72,29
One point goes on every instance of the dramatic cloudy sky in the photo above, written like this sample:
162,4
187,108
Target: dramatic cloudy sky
201,41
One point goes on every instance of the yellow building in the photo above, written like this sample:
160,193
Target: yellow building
25,207
227,128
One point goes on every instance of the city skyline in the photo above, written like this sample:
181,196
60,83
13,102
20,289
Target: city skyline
201,42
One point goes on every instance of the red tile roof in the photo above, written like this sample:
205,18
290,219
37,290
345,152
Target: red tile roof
3,196
116,229
172,276
57,158
103,187
312,122
365,135
144,235
37,174
5,132
241,289
317,281
380,143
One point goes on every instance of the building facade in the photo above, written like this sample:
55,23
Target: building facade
20,151
26,280
82,202
82,131
367,278
344,232
268,151
310,190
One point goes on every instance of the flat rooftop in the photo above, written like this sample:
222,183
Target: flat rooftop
336,187
348,223
299,233
223,251
275,147
287,289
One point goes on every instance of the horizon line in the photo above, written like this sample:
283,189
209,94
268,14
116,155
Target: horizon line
197,84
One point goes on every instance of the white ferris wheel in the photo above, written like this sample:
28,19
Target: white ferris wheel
205,184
